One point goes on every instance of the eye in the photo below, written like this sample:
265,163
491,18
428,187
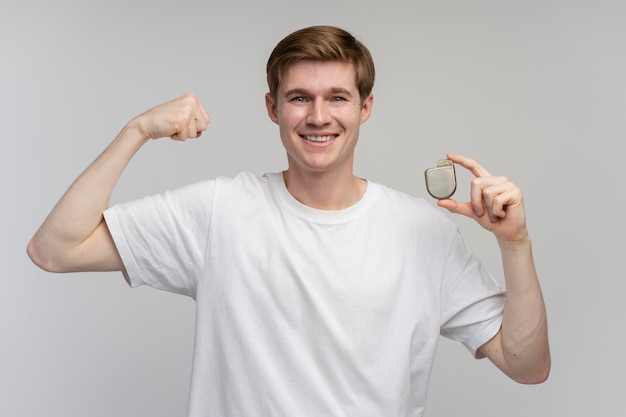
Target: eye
338,99
299,99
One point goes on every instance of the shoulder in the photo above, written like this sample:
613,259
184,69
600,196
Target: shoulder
242,184
414,217
245,192
400,202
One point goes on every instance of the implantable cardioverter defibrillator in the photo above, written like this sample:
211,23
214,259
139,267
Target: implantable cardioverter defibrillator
441,180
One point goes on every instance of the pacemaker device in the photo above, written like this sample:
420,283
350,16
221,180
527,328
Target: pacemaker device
441,180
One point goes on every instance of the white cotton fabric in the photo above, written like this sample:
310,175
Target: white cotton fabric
304,312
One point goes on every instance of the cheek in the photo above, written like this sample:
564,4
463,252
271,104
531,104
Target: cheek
291,117
349,118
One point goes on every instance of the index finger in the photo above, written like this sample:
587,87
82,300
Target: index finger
474,167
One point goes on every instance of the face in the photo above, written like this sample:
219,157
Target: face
319,111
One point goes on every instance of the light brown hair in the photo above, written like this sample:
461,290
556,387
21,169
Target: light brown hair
321,43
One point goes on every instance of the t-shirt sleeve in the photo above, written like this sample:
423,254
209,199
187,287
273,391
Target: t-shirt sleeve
472,300
162,239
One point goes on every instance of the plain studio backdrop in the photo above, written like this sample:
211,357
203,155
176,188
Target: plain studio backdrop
534,90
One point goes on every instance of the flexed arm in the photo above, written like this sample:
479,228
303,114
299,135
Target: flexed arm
521,348
74,236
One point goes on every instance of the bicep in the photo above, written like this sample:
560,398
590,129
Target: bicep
494,351
96,253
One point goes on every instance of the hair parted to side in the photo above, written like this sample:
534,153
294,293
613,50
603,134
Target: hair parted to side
321,43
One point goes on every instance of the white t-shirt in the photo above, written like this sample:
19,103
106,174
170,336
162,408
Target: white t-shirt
305,312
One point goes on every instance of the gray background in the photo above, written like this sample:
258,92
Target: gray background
534,90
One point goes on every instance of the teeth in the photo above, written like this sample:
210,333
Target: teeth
318,138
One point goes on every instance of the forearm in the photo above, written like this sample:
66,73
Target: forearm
525,349
520,349
79,211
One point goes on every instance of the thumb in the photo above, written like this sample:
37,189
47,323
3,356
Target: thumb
455,207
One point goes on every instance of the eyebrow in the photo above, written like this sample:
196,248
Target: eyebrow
304,92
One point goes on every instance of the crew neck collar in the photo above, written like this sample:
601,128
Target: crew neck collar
318,215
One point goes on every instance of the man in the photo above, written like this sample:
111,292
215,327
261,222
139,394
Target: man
318,293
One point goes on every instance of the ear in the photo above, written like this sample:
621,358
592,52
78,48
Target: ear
270,105
366,108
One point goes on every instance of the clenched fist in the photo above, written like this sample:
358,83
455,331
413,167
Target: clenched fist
180,119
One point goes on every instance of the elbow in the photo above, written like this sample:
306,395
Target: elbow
543,373
538,375
535,378
37,255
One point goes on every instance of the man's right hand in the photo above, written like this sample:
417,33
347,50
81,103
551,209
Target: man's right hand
180,119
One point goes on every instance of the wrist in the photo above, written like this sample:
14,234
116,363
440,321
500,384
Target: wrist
132,134
521,242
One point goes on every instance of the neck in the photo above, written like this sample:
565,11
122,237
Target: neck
325,191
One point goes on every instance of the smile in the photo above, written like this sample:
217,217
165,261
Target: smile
318,138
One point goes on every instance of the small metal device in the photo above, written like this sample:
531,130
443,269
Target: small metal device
441,180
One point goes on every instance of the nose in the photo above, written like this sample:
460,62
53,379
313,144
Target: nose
319,113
